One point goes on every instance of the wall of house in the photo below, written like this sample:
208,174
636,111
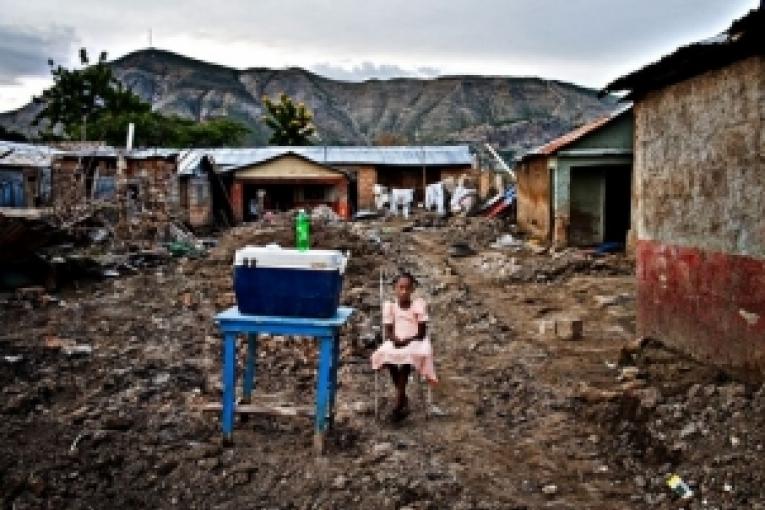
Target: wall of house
145,190
366,178
237,200
199,201
700,197
533,214
286,167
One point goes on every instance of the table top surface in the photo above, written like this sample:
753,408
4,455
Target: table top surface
233,314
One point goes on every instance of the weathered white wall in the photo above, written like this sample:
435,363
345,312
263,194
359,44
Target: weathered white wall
699,148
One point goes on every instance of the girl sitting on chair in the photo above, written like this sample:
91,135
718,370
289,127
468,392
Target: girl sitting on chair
406,344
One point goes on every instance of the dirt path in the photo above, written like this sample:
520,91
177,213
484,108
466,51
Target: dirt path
510,423
523,422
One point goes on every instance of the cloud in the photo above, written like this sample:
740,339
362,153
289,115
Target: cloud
370,70
24,52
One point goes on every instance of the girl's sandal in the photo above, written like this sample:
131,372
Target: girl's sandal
398,414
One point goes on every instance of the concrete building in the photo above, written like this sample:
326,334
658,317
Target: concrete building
575,190
699,196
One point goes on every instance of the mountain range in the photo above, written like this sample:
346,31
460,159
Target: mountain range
512,113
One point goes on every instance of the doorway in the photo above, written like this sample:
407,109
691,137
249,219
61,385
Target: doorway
600,204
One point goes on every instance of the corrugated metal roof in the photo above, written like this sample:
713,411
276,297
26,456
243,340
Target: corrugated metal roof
227,159
557,144
741,40
26,154
112,152
231,159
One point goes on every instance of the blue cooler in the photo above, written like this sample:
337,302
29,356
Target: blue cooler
290,283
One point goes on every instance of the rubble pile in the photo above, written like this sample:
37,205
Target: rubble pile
521,266
671,414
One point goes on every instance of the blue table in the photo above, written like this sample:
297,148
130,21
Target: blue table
232,323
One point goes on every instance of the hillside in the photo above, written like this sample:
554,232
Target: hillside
512,113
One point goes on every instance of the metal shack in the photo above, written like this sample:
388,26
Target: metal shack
575,190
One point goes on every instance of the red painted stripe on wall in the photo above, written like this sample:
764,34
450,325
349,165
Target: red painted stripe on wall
709,304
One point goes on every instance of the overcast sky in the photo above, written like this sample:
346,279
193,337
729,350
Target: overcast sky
588,42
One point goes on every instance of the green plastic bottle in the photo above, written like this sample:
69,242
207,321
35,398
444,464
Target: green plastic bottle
302,231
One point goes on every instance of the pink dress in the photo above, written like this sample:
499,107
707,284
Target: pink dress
418,353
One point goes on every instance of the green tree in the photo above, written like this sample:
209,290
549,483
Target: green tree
155,130
79,96
290,123
94,96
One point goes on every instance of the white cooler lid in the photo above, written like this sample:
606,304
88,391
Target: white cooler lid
275,256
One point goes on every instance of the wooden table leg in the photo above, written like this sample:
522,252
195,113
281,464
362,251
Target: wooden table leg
229,386
333,378
323,390
248,384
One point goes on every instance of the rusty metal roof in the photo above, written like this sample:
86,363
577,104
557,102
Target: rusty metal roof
567,139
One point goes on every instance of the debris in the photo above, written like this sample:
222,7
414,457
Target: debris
751,318
550,489
460,249
339,482
77,350
610,247
500,205
562,328
628,374
437,411
569,329
463,200
54,342
324,212
506,241
679,487
605,301
77,440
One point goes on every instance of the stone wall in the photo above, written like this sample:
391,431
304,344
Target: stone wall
699,201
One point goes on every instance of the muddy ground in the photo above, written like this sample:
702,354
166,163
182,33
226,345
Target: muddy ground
101,390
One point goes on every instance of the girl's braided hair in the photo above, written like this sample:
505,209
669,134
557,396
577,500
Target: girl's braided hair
407,275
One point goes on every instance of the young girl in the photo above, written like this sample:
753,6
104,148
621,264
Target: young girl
407,344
